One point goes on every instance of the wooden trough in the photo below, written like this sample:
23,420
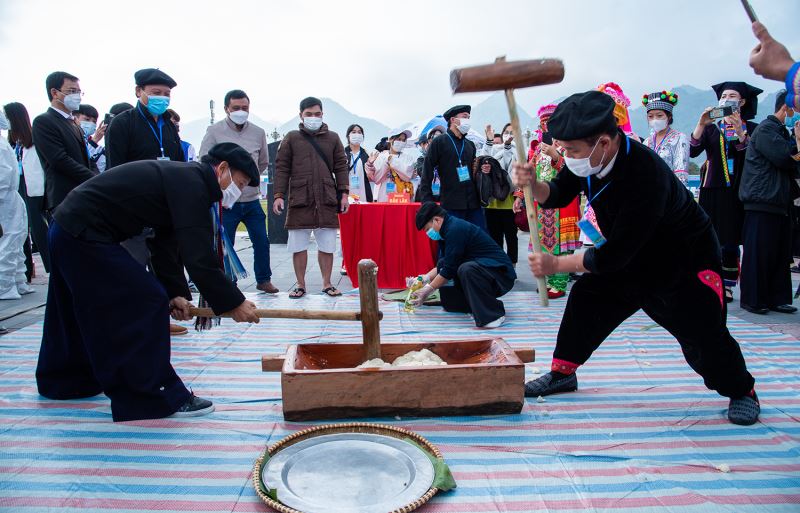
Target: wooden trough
321,381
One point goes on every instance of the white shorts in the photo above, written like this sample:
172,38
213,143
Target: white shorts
299,240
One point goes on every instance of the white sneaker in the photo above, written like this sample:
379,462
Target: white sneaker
10,294
494,324
24,288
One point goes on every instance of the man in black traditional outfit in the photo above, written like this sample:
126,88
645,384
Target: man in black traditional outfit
115,339
657,252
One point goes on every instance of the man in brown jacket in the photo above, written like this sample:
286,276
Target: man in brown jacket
311,169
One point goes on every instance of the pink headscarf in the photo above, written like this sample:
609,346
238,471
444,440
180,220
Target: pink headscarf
623,102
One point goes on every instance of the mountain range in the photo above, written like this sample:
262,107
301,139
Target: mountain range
493,110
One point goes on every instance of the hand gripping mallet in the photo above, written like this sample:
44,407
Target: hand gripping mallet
505,75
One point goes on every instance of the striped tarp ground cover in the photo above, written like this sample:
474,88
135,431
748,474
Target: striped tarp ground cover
641,434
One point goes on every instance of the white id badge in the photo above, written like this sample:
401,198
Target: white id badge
591,232
163,159
391,187
463,173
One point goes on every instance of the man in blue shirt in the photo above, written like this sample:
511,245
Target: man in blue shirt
472,272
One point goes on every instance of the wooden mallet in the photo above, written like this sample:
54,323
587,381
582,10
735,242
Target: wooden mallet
507,76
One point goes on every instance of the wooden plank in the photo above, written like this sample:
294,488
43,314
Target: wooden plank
328,315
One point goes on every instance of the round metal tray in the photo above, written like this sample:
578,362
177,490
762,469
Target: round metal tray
353,468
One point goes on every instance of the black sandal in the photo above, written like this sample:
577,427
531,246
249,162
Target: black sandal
297,293
331,292
728,295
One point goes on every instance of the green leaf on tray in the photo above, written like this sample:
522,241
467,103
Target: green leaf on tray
443,479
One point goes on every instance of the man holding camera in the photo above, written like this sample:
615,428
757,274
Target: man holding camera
723,133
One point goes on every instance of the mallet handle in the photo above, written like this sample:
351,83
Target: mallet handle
328,315
530,206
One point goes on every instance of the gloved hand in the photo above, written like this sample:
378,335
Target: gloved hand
419,297
413,280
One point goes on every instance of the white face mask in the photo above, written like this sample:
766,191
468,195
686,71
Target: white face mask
657,125
312,123
72,101
231,194
4,125
724,102
356,139
583,167
239,116
464,126
398,146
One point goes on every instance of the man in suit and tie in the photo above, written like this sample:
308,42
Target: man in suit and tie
59,142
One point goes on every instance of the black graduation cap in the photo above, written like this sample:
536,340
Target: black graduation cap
238,158
582,115
427,212
748,92
153,76
455,111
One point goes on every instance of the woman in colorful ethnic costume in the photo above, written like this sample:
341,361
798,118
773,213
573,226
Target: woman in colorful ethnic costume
724,142
649,221
671,145
558,228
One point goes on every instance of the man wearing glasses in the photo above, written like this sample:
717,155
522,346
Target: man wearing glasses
59,142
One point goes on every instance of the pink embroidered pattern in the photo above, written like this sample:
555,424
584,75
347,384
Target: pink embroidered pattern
563,366
714,281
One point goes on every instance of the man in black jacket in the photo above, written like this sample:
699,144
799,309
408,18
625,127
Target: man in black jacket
473,270
649,222
452,156
115,340
59,142
767,191
145,132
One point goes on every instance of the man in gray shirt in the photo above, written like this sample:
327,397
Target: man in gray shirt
236,129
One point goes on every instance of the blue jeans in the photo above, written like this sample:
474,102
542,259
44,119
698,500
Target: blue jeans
252,215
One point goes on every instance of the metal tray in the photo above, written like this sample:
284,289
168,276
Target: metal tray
349,472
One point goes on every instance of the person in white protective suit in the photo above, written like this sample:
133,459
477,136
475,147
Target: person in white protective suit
14,221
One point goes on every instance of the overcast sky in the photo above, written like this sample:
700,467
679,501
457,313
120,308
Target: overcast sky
386,60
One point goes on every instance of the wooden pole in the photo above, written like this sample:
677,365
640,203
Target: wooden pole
370,315
530,206
328,315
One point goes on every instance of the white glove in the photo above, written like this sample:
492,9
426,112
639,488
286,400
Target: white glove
412,280
419,297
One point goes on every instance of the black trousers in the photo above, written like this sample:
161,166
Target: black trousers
106,329
501,226
766,279
688,304
34,205
475,290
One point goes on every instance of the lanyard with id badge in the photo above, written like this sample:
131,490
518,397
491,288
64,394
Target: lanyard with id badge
159,136
355,179
586,226
463,171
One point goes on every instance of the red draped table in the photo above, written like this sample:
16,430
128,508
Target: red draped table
386,233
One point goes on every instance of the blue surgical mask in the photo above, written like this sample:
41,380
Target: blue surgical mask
88,128
433,234
157,105
791,120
